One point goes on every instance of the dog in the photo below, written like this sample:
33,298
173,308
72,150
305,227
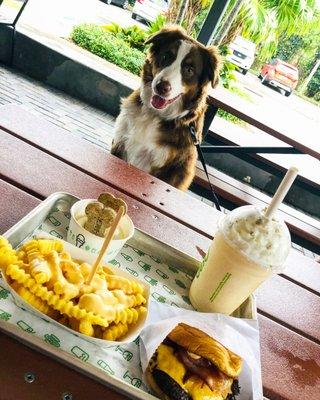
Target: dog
152,131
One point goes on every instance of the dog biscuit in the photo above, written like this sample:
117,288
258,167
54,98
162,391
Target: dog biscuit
108,200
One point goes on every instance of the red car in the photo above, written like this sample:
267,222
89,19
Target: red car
281,75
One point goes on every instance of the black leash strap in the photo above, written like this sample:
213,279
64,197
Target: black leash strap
200,154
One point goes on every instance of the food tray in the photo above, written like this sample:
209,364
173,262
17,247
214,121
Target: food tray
168,271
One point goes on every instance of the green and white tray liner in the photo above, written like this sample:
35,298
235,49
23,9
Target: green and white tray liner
169,305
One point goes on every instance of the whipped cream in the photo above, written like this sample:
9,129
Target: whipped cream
264,240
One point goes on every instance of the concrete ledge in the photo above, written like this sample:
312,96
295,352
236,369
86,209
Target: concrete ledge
65,66
6,43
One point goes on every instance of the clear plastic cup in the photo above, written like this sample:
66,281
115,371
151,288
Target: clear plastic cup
247,249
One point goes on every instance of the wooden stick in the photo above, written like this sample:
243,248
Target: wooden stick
282,191
105,244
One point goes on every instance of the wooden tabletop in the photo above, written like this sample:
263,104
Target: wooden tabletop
291,131
38,158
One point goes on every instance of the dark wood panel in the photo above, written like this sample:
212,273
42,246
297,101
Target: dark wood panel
98,163
15,204
43,174
290,363
231,134
292,305
52,378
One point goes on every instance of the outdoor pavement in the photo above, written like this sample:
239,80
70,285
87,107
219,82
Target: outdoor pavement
58,17
73,115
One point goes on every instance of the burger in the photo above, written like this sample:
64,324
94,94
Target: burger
191,365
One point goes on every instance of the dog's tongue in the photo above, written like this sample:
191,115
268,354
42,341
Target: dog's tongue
158,102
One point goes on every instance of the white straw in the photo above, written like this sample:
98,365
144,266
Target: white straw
282,191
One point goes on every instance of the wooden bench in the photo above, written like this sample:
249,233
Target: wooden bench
230,134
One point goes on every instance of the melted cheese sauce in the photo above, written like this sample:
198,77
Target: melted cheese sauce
194,386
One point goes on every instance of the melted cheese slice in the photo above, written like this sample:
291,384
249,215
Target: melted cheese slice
194,386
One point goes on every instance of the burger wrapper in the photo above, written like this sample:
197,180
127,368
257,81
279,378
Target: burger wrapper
237,334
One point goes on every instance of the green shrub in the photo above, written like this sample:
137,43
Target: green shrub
156,25
108,46
134,36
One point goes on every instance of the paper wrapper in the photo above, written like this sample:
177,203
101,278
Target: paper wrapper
239,335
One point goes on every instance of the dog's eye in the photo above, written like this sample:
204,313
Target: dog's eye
165,57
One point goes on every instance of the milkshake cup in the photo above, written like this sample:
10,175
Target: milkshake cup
250,246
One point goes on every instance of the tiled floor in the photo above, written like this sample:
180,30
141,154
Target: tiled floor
75,116
60,109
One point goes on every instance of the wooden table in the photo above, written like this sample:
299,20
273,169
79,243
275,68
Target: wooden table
38,158
288,131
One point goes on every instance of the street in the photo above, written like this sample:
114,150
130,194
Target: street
59,17
281,105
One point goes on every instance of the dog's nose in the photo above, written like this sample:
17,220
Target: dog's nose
163,88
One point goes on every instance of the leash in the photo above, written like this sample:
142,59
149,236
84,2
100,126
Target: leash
195,140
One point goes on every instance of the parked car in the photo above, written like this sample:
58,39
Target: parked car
149,9
281,75
242,52
121,3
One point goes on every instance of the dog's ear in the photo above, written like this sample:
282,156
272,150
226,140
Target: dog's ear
212,65
166,35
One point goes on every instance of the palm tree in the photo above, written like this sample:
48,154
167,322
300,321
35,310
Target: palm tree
226,25
263,21
185,12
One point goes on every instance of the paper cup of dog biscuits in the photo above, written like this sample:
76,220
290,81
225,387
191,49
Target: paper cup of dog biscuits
88,228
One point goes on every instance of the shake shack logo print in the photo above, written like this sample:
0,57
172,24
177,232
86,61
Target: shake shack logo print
4,315
106,367
80,353
52,339
4,293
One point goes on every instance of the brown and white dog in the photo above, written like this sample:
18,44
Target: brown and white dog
152,129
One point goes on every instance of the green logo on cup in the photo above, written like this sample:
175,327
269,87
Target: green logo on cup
220,286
